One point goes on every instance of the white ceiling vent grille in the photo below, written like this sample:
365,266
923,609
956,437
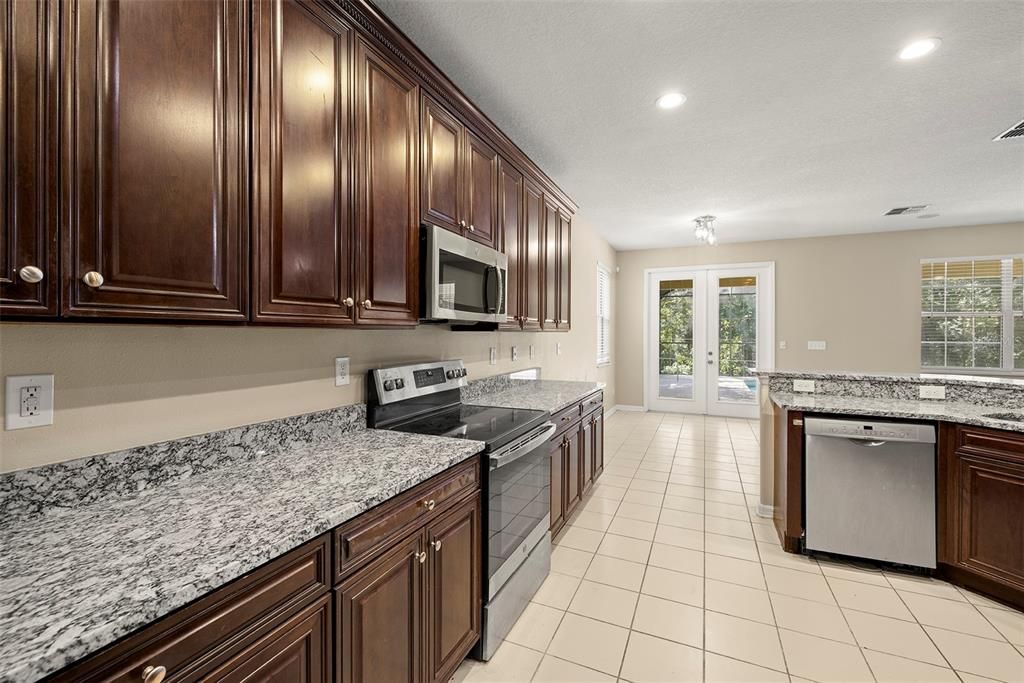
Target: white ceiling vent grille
899,211
1014,132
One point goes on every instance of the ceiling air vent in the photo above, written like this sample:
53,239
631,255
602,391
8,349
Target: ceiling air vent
1014,132
899,211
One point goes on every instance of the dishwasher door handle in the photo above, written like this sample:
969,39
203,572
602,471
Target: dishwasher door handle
867,443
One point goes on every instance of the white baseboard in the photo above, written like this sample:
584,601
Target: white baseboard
610,411
629,409
766,511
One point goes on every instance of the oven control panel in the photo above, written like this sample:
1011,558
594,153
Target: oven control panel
409,381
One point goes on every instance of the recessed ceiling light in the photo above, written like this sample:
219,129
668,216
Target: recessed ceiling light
671,100
920,48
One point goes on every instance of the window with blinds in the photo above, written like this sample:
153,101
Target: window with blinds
972,314
604,315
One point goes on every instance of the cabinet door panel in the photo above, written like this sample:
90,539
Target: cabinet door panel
442,166
991,518
381,619
297,651
454,596
587,451
573,470
533,250
388,215
28,207
510,209
481,191
549,307
302,251
557,485
155,158
564,271
598,443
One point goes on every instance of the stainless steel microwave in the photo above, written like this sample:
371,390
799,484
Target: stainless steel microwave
462,280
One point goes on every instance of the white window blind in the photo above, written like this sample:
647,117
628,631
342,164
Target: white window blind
972,313
604,315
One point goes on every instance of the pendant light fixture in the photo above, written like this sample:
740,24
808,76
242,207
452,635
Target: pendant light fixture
705,230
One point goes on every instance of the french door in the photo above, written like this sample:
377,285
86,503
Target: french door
708,329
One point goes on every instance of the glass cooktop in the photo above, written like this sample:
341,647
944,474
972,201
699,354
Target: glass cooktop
495,426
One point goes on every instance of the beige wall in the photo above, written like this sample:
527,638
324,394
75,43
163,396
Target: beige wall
859,293
120,385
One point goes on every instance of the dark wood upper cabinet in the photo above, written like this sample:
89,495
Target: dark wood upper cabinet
454,594
387,216
442,181
510,216
28,155
380,619
550,242
564,271
481,191
155,159
303,240
533,256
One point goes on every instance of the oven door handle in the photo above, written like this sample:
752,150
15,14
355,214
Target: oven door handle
503,458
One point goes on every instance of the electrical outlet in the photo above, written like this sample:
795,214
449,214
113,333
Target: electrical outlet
493,359
558,348
782,345
816,346
805,385
937,391
340,372
515,354
532,352
29,401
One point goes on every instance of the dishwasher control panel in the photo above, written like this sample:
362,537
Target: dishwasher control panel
880,431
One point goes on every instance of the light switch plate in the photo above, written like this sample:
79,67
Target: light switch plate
493,359
816,346
936,391
29,401
340,372
804,385
782,344
515,354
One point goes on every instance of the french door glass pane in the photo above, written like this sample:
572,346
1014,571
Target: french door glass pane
737,338
675,339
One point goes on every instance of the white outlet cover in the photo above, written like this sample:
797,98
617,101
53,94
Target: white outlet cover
934,391
44,416
341,372
558,348
782,345
493,359
816,346
804,385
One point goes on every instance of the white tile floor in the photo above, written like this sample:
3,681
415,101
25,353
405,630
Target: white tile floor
666,574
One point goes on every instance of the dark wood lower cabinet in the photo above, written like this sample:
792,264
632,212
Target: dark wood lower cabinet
981,510
577,456
454,597
380,613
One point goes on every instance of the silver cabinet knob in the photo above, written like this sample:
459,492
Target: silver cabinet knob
153,674
93,279
472,228
429,504
367,304
462,223
422,557
30,274
348,301
437,546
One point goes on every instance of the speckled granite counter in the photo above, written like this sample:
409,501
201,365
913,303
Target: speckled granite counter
75,579
948,411
539,394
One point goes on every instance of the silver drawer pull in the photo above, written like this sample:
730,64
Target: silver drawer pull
422,557
93,279
30,274
437,546
153,674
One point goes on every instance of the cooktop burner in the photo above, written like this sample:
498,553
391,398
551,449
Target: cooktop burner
495,426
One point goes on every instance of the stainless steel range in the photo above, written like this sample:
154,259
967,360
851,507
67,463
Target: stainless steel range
425,399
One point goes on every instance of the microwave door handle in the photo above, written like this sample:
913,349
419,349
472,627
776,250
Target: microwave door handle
501,291
487,290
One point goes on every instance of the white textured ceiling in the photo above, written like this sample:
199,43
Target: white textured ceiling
800,119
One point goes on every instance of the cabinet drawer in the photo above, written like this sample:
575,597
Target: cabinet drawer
566,418
206,634
593,403
367,535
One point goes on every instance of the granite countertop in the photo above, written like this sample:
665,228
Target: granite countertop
948,411
915,378
74,580
540,394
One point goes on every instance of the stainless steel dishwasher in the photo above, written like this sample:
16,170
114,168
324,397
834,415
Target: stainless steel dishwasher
870,490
